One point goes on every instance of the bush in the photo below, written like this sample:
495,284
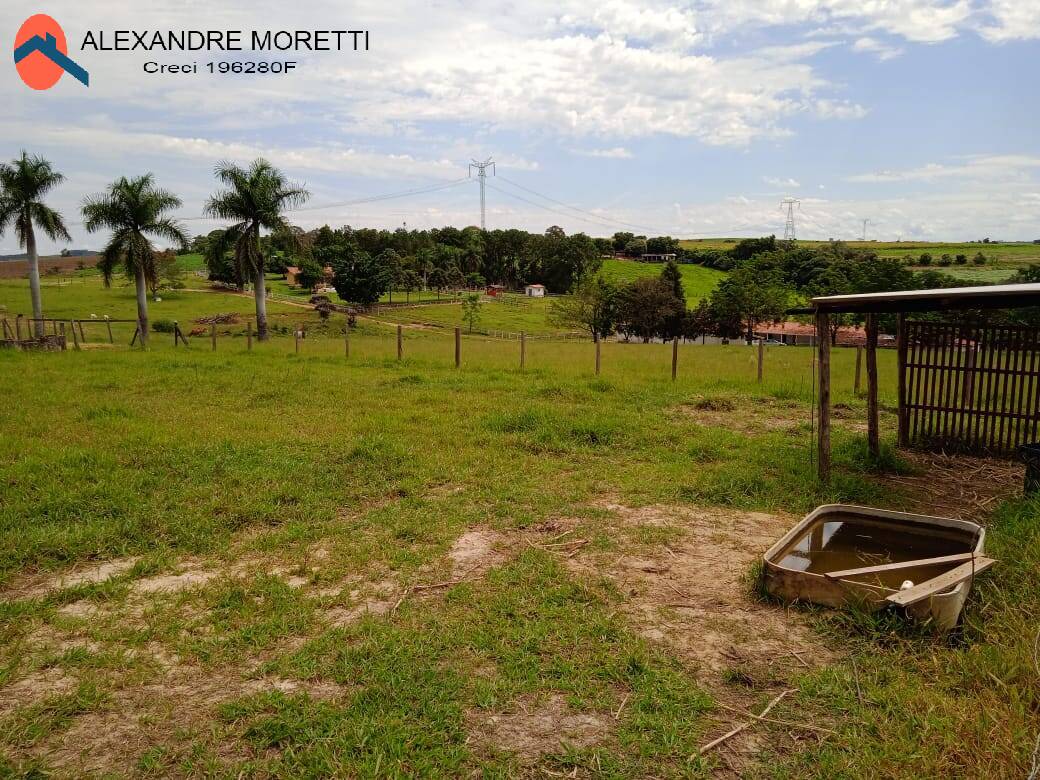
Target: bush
945,260
979,259
960,259
163,326
926,259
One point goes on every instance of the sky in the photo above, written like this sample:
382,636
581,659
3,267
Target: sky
691,119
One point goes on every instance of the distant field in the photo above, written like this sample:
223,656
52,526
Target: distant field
1009,255
12,269
698,281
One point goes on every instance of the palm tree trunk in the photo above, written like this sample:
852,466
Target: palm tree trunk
34,279
260,294
142,304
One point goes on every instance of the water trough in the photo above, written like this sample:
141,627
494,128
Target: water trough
843,554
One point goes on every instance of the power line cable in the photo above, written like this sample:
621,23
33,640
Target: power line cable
599,217
513,195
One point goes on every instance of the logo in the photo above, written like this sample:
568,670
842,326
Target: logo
41,54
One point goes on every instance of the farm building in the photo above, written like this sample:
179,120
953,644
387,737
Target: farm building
657,258
535,291
800,334
291,272
494,290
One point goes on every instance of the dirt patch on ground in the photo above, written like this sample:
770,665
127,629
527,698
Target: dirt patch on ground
171,583
375,599
538,728
744,415
89,574
173,709
693,594
476,551
35,687
959,486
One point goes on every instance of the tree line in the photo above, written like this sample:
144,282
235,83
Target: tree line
766,279
368,263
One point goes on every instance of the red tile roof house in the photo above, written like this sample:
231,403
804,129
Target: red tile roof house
797,333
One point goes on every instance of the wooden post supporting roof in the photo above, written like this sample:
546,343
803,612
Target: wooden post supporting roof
823,345
901,349
873,436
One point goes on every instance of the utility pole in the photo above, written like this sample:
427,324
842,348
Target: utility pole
865,223
482,177
789,204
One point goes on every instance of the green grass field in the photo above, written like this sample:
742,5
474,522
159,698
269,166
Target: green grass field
698,281
269,564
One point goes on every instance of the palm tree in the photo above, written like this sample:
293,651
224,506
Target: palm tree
132,209
254,200
23,183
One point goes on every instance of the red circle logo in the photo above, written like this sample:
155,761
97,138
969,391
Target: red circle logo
37,69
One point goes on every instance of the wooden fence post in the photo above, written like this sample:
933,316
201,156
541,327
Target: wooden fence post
18,327
859,361
761,357
213,335
108,324
82,335
675,357
346,339
176,333
63,345
901,349
823,342
296,335
458,347
75,338
249,335
7,328
400,342
596,339
873,435
523,350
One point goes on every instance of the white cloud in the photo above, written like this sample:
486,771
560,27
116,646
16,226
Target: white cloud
1006,166
614,153
1012,20
776,181
882,50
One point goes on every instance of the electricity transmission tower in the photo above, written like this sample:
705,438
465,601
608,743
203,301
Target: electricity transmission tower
865,223
482,177
789,204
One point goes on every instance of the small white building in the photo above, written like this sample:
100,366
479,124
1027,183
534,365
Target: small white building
535,291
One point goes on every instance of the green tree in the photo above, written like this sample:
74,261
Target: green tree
646,307
133,210
592,307
471,310
311,272
358,277
672,276
23,184
254,199
746,298
438,280
410,282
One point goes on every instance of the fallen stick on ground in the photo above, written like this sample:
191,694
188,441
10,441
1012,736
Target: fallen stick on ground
779,721
624,701
742,726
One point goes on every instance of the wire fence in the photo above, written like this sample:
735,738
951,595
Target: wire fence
786,370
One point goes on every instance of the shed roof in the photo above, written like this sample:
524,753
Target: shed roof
998,296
